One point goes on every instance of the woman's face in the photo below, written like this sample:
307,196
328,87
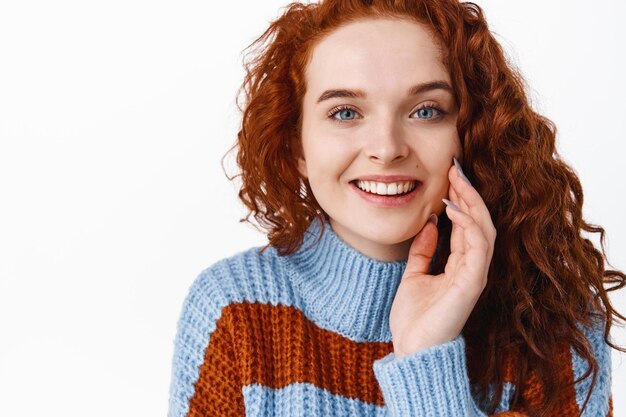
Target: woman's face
364,114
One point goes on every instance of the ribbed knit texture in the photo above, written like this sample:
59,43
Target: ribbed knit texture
308,335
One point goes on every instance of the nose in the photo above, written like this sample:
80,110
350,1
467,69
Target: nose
387,143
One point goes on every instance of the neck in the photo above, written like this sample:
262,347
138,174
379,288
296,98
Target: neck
344,289
379,251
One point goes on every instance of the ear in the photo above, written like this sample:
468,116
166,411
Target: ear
302,167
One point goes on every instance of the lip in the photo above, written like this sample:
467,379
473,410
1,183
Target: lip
386,178
387,201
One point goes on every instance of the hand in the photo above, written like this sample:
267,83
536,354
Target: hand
429,310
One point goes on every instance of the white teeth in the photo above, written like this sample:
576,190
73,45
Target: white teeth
386,189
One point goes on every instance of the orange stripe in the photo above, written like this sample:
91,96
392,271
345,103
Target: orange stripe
218,389
278,345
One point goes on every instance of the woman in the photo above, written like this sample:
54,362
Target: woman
395,283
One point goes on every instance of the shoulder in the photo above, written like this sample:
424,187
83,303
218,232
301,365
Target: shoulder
594,333
601,352
244,276
227,281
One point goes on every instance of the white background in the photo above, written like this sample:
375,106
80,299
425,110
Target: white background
113,119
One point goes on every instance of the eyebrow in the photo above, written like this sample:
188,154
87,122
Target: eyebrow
413,91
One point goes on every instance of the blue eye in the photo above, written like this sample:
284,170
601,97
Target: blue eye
346,111
427,110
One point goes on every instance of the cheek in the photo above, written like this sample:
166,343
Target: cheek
436,170
449,140
328,155
438,188
440,182
437,162
440,158
331,170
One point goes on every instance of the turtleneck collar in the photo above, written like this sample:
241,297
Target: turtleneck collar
342,289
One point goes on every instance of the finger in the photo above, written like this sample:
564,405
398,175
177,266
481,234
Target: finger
464,189
456,199
422,250
457,240
477,255
473,234
476,207
478,249
456,235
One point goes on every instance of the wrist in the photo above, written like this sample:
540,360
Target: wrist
399,353
416,347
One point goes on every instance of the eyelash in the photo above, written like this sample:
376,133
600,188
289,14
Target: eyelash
334,111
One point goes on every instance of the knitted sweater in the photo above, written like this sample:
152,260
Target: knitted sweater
308,335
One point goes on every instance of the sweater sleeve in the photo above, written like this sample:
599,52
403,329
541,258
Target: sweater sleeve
204,377
434,382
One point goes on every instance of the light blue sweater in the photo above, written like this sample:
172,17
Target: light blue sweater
308,335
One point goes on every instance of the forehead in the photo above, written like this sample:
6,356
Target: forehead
383,53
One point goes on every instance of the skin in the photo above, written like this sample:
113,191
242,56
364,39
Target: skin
384,133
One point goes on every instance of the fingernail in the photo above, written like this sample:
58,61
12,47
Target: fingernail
460,170
451,204
433,219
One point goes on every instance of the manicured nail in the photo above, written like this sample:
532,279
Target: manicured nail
451,204
460,170
433,219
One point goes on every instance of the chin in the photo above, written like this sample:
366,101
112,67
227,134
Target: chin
390,235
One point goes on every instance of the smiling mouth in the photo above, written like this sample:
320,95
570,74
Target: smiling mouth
396,189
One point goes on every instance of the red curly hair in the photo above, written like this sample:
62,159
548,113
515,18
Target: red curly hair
543,271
